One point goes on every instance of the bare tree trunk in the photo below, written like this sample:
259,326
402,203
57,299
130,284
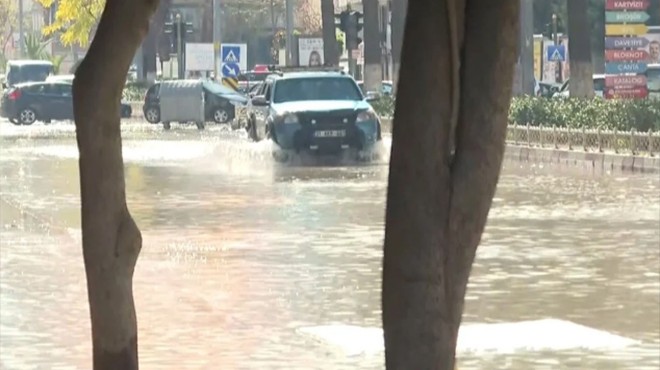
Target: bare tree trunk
330,47
438,203
579,50
399,9
373,54
111,239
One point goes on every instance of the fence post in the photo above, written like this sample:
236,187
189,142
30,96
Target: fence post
515,134
528,136
554,136
570,142
615,143
650,143
600,141
541,131
632,141
584,138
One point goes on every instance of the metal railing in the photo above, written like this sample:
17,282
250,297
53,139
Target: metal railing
588,140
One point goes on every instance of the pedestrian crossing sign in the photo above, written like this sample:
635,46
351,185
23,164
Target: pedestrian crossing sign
231,54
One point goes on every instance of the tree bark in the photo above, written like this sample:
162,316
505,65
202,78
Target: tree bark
111,239
330,47
439,195
579,50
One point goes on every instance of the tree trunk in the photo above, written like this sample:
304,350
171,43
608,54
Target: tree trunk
330,47
438,199
111,239
579,50
399,8
373,71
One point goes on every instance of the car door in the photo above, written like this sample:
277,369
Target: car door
60,100
261,112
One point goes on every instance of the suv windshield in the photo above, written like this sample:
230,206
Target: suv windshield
321,88
28,72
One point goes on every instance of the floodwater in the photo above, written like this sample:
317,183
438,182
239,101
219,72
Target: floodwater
239,254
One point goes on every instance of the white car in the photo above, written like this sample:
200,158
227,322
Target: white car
599,87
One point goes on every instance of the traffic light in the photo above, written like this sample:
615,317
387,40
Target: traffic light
173,29
350,22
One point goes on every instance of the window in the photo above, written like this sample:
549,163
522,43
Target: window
316,88
268,90
599,84
61,90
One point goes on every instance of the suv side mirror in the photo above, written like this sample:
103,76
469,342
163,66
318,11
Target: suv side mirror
259,101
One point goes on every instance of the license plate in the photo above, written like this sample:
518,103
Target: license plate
330,133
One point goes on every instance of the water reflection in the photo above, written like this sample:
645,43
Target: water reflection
238,256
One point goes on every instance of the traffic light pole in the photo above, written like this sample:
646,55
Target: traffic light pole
217,38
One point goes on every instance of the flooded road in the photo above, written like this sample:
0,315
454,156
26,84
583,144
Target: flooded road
240,253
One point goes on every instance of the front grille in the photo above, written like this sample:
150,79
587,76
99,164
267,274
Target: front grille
328,120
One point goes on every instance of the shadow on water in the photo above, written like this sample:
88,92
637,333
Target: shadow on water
239,252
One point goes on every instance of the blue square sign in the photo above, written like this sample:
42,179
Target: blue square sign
556,53
231,54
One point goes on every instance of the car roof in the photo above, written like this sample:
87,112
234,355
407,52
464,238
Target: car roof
316,74
35,83
28,62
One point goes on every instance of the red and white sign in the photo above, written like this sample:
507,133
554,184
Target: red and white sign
626,55
627,4
625,81
626,93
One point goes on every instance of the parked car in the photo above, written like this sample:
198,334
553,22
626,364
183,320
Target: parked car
26,103
19,71
599,87
386,88
61,78
322,112
218,106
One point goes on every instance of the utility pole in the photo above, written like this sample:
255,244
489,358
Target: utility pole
373,71
555,36
330,49
527,46
217,38
21,41
398,8
179,49
290,6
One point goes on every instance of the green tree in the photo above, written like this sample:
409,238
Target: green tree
448,137
75,20
35,46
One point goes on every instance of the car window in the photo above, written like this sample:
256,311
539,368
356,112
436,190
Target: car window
61,89
268,89
39,89
316,88
653,79
599,84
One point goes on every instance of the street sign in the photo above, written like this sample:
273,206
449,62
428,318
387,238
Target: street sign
626,55
615,68
626,17
233,54
230,69
627,4
556,53
626,93
625,42
626,29
621,82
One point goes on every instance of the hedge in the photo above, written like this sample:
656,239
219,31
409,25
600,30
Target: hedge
641,115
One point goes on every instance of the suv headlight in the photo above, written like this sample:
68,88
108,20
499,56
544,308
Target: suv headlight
367,115
290,118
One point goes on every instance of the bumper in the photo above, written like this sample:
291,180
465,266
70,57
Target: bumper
327,139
